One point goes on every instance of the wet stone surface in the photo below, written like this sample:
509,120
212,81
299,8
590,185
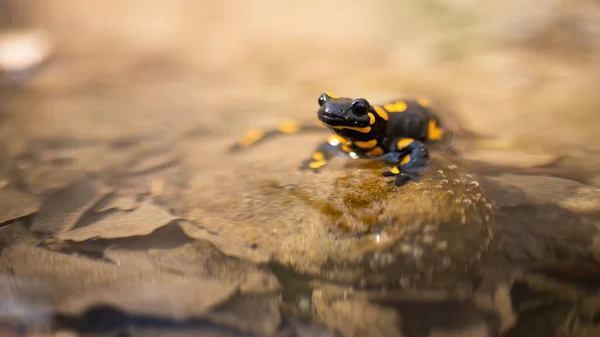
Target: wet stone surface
352,225
343,245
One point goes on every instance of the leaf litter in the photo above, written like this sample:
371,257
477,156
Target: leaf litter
140,221
74,284
15,204
61,210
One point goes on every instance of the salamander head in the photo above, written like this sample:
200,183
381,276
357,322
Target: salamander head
345,113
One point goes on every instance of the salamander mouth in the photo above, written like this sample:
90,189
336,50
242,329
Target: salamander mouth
332,120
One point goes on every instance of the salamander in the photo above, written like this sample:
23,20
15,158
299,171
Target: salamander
396,132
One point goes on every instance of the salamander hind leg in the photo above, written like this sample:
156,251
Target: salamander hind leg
413,157
256,136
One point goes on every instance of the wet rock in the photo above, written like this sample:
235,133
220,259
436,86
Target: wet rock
257,314
350,225
355,316
493,295
508,157
445,317
415,313
585,199
503,195
549,307
565,193
541,233
16,204
583,319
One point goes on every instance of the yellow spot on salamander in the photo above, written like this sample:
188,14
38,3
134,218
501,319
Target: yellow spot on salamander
251,137
405,160
366,129
346,148
382,113
317,164
375,152
335,140
395,170
318,156
404,142
372,118
366,145
434,132
289,127
395,107
424,102
331,95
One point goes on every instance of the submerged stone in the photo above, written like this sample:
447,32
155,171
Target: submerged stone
352,225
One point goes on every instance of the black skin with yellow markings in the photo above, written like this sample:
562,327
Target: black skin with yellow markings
395,132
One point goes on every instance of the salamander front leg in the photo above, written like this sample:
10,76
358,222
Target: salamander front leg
322,154
413,157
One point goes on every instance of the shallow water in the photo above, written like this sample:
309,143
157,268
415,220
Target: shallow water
123,212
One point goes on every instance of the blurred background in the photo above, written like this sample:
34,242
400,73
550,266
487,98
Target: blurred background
522,72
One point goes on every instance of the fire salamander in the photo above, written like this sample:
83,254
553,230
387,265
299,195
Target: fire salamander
395,132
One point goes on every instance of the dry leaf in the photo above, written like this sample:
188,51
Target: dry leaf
61,210
141,221
114,202
15,204
199,259
73,285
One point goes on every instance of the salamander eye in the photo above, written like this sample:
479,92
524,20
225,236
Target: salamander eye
322,99
360,106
